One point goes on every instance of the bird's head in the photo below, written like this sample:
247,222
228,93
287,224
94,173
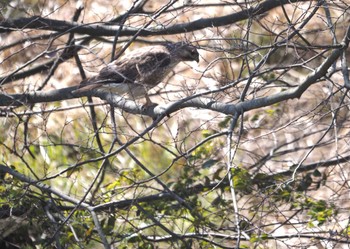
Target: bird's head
185,52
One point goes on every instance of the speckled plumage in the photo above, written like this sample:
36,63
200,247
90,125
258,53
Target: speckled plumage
140,70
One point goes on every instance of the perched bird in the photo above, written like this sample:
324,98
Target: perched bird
140,70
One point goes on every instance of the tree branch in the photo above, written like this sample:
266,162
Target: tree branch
195,101
41,186
102,29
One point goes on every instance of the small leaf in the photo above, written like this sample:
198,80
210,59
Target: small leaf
216,201
209,163
317,173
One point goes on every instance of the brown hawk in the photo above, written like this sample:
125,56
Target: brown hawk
140,70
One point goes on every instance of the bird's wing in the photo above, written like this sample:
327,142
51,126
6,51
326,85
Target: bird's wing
142,66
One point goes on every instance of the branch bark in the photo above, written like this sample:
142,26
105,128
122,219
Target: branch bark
195,101
106,29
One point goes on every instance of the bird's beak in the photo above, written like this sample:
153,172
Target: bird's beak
197,59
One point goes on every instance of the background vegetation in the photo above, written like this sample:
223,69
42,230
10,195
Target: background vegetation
247,149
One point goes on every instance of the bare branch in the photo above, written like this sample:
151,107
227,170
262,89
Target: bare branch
102,29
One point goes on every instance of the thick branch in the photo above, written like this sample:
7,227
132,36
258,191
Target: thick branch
96,30
36,97
106,29
196,101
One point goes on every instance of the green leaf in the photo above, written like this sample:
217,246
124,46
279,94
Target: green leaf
317,173
209,163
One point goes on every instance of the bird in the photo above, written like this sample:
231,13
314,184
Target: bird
140,70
